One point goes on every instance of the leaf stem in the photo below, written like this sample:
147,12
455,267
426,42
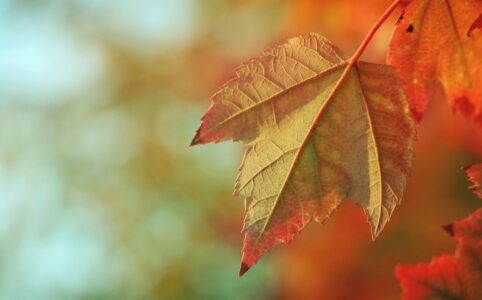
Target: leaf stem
372,32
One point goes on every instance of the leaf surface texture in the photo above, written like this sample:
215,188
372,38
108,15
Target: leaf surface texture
431,42
318,129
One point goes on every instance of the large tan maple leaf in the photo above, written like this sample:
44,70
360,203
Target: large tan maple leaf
318,128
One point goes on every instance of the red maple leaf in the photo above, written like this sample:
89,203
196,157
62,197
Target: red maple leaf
451,276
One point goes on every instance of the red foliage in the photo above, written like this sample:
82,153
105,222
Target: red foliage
430,45
457,276
445,27
474,173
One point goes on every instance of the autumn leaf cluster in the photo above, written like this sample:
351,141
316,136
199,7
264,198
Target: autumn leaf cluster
321,127
451,276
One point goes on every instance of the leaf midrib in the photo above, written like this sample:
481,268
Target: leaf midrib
456,32
376,230
336,88
280,93
459,40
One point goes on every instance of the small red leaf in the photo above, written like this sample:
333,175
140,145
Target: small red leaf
457,276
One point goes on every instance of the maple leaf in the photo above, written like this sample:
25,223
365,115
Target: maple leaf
318,128
430,43
457,276
474,173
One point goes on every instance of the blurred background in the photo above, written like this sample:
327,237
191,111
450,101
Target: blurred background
101,197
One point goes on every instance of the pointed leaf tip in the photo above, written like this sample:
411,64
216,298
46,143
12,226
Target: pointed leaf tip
476,25
449,228
196,139
374,236
244,268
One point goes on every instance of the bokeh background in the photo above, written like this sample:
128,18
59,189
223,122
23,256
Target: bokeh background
101,197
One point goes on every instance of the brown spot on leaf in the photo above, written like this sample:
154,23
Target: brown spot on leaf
410,28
